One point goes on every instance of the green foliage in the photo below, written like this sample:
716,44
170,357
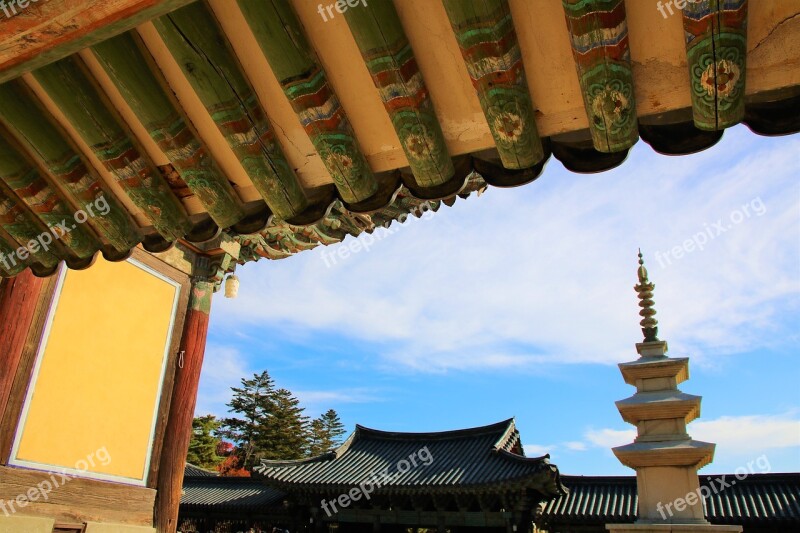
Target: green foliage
326,432
269,423
289,428
204,443
252,429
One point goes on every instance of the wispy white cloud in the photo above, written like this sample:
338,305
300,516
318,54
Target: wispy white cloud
736,437
317,401
538,450
534,450
576,446
749,435
609,438
543,274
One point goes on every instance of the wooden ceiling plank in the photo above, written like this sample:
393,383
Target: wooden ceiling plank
68,85
599,35
282,40
488,43
195,39
22,114
48,31
391,63
716,51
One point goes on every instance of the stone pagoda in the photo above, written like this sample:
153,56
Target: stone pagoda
665,457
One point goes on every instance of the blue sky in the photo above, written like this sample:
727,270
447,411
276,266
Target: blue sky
520,303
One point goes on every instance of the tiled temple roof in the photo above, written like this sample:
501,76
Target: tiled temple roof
765,500
758,499
206,490
192,471
478,459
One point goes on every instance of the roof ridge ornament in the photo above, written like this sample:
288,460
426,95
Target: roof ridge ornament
645,291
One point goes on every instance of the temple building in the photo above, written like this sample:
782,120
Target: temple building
760,503
150,147
455,480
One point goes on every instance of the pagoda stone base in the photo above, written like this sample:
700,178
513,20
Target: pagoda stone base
640,527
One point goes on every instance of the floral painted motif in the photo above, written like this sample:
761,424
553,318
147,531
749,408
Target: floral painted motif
490,48
341,161
716,52
419,145
610,102
725,80
508,126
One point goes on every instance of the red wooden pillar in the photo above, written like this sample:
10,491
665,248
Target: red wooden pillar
181,410
19,301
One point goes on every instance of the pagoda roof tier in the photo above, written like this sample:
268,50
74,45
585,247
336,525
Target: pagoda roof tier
687,453
482,459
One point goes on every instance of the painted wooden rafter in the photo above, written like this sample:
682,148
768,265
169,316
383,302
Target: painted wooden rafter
598,31
201,49
68,86
488,43
135,76
18,223
716,50
43,200
391,63
280,37
22,115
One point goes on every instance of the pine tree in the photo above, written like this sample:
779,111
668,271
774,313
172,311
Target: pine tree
326,432
288,435
203,446
254,403
334,427
318,439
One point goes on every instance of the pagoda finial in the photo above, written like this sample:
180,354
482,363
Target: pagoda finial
645,290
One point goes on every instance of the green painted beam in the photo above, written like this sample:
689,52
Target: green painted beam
282,40
598,31
137,77
18,223
194,38
716,51
20,112
43,200
391,63
488,43
68,86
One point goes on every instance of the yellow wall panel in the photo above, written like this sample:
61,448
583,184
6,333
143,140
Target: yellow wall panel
99,373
